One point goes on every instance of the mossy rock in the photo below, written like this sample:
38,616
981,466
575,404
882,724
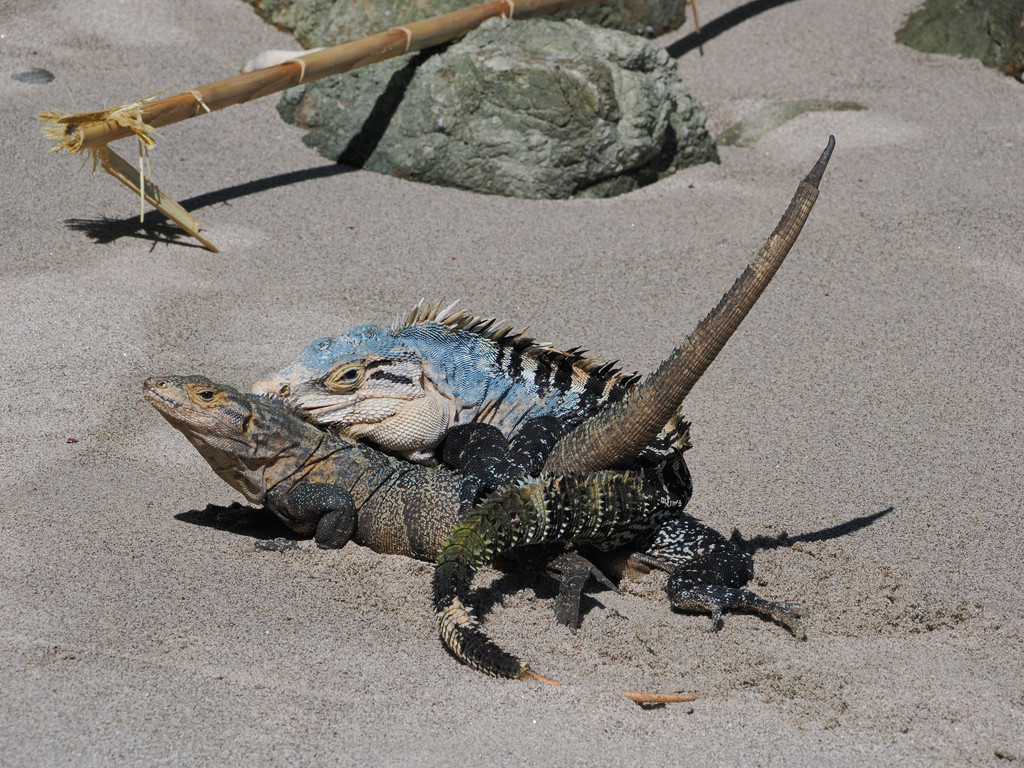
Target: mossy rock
537,109
989,30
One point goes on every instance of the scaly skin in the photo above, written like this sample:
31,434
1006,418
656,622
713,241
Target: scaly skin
316,482
617,436
614,437
706,570
404,387
333,485
606,509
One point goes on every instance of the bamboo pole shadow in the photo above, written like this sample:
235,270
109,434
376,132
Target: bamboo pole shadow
722,24
155,227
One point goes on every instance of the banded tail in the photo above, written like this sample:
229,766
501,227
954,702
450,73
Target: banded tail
619,432
606,507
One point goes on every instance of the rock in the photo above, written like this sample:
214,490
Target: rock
329,22
539,109
990,30
34,76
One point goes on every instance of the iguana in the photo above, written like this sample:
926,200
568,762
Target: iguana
706,569
404,387
323,483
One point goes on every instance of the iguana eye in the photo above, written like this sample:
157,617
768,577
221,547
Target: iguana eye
206,395
345,378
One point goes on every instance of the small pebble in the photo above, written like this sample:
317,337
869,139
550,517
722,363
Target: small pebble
34,76
278,545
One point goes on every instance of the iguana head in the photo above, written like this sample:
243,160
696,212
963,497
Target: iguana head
372,385
250,443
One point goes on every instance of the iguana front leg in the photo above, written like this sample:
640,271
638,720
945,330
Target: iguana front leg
327,509
708,573
482,452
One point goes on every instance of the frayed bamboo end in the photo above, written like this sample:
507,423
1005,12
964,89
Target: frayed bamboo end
68,131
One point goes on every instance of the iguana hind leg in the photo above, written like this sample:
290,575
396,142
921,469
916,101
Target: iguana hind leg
708,572
491,462
688,591
576,571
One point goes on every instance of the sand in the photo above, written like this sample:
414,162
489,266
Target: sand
881,371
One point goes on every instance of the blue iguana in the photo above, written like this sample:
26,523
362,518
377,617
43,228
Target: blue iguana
404,387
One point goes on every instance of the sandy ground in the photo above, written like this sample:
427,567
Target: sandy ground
883,369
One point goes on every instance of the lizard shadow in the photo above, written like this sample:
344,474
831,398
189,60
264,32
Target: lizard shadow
851,526
244,520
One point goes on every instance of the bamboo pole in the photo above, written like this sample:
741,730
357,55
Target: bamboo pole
76,133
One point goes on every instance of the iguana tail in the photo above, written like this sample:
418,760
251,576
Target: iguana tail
604,507
619,432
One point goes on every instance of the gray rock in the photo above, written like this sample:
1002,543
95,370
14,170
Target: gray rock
34,76
989,30
539,109
329,22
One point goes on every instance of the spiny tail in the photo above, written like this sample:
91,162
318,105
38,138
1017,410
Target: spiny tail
602,507
613,437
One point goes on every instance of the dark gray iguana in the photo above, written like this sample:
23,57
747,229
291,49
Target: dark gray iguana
411,386
301,476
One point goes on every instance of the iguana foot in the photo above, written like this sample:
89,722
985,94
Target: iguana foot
715,598
576,571
336,528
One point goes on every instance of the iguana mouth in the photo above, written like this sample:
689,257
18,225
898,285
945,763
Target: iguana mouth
152,392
